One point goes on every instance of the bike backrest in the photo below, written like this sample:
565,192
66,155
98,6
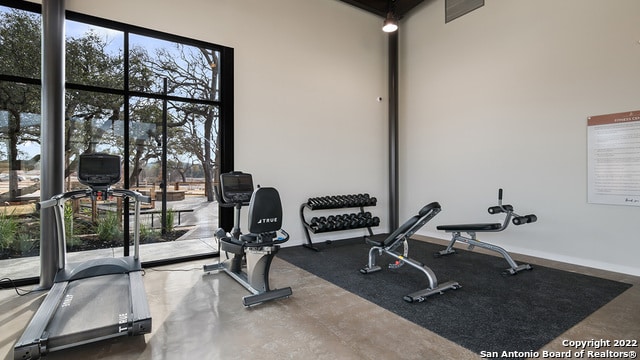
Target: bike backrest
265,211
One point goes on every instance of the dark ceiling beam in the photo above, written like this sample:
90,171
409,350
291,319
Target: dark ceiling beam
369,6
381,7
403,7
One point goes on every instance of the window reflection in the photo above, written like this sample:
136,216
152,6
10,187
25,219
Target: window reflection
97,120
20,43
94,55
192,72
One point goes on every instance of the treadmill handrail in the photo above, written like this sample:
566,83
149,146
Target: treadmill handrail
57,201
132,194
77,194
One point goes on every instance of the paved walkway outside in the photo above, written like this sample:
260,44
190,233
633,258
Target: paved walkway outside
202,222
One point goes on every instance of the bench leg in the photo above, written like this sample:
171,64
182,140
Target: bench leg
513,269
449,250
371,266
417,296
434,287
421,295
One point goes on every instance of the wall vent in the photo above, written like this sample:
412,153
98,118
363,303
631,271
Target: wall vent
456,8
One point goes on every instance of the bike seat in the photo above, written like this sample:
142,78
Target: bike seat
231,245
248,238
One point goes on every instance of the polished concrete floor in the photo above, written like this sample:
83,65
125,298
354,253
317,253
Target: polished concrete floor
201,316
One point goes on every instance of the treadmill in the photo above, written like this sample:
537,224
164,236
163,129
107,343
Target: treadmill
93,300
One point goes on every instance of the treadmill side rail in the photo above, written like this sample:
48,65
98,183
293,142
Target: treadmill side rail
30,344
140,306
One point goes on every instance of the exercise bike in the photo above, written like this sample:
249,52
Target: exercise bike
248,257
472,229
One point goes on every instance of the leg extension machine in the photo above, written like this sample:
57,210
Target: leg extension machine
471,230
391,243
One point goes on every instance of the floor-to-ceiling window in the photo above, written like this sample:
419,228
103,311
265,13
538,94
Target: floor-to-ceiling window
155,99
19,140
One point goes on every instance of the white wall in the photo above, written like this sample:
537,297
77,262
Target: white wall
307,77
500,98
496,98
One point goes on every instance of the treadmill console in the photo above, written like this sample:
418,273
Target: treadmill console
237,187
99,170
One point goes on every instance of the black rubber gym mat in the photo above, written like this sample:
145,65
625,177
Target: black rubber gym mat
491,312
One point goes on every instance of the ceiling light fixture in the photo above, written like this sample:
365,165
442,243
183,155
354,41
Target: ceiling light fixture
390,24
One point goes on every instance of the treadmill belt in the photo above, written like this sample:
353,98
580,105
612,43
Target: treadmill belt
90,309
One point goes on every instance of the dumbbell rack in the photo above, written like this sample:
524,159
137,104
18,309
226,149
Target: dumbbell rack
340,222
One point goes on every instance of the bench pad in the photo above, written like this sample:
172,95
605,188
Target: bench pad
470,227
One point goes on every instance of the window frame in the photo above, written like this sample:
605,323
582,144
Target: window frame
225,101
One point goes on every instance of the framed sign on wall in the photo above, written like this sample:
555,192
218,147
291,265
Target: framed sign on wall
614,158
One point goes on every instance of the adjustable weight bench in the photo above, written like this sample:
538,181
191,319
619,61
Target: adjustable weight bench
472,229
391,243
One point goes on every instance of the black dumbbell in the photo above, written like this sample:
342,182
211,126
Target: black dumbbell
317,227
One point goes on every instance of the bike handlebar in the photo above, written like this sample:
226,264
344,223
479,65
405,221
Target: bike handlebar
222,202
269,243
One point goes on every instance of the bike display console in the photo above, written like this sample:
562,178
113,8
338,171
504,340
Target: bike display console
237,187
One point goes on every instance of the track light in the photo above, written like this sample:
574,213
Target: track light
390,24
